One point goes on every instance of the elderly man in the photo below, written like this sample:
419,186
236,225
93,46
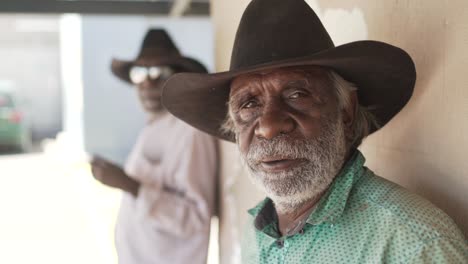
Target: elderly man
298,107
169,179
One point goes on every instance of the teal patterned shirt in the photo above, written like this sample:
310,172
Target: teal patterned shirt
362,218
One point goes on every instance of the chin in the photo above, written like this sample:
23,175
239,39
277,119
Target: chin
155,110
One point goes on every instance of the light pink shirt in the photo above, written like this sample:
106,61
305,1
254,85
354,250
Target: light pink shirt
169,221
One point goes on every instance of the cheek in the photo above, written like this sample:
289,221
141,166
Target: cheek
309,125
311,131
243,143
244,119
246,116
310,117
244,138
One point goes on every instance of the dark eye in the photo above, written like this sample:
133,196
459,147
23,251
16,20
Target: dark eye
297,94
249,104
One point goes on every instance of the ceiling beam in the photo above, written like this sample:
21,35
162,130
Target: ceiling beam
99,7
179,8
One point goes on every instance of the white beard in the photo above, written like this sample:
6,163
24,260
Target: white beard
289,189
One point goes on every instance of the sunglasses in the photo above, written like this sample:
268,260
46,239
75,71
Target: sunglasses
139,74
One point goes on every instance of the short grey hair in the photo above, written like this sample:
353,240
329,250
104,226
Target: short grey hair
363,123
364,120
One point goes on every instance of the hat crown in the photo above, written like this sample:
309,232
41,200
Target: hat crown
265,35
157,44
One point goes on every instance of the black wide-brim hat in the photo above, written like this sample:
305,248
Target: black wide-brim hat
157,49
277,34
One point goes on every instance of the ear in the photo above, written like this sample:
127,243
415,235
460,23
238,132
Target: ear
349,114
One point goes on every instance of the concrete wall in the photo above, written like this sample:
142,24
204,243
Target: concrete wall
425,147
29,49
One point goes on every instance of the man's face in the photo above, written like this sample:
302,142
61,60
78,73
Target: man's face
150,88
289,130
149,93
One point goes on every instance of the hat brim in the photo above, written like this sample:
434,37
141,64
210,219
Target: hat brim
384,74
121,68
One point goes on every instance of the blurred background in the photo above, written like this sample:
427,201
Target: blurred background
59,103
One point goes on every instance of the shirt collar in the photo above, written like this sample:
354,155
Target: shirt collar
266,218
330,206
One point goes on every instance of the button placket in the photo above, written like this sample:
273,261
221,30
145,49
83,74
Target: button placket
280,243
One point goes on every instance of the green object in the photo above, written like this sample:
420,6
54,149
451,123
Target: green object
362,218
14,130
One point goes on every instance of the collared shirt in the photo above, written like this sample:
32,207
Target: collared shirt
169,220
362,218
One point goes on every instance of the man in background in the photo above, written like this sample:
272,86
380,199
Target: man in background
169,178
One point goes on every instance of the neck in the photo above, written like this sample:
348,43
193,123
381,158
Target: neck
288,215
152,116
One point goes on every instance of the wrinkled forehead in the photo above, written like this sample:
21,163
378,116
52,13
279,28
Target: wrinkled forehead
313,74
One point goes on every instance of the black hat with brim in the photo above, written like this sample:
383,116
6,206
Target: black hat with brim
266,39
157,49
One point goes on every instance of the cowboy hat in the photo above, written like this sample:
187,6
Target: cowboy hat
279,33
159,49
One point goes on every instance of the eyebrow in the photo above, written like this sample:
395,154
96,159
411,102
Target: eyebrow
301,82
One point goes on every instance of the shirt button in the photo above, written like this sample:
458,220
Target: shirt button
280,243
301,231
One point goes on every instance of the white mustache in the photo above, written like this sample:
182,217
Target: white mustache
282,147
324,156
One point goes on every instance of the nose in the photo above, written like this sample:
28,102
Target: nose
274,121
146,84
